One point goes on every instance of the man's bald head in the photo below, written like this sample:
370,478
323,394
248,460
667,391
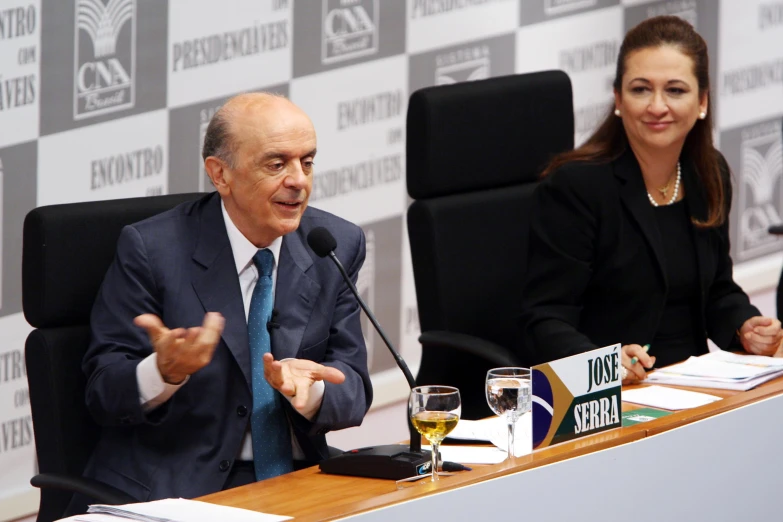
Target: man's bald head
222,136
259,151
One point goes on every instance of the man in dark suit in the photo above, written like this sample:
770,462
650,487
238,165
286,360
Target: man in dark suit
279,358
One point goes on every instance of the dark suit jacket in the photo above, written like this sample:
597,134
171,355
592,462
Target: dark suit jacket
596,274
179,265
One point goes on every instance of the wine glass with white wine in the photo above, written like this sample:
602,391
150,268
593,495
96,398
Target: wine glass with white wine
434,412
509,394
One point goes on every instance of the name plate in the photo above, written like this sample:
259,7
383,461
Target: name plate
577,396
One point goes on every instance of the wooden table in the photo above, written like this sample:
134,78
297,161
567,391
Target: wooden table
309,495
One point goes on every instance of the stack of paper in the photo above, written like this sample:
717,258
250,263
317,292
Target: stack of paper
173,510
720,369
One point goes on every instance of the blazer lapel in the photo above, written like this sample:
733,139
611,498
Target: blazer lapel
217,285
633,195
295,297
697,208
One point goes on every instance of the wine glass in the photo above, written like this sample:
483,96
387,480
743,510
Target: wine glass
509,394
434,412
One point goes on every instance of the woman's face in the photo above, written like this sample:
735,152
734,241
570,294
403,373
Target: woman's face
659,100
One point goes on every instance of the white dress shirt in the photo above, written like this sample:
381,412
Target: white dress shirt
154,391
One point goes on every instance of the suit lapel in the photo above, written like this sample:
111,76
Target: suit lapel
633,195
217,285
295,297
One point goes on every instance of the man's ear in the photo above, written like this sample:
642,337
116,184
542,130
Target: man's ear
217,172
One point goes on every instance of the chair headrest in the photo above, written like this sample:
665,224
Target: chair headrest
488,133
67,250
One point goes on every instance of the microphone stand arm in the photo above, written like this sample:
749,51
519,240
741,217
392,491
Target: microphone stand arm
415,444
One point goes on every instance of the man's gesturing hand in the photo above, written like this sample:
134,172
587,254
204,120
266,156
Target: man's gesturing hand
182,352
293,377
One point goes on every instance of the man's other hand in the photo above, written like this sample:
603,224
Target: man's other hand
293,377
182,351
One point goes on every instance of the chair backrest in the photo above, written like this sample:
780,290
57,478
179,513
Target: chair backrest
475,151
66,252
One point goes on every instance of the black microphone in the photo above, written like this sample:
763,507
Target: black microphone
271,324
392,461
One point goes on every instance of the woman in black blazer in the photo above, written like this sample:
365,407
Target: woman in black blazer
629,239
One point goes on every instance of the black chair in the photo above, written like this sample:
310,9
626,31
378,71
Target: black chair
778,230
474,154
66,252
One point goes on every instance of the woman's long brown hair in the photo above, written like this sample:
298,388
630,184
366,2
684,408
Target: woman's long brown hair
609,141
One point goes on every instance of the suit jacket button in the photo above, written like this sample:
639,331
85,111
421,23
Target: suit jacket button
224,465
241,410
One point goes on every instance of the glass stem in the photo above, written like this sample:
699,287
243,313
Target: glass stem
511,425
435,446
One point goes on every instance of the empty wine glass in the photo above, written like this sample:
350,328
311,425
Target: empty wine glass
509,394
434,412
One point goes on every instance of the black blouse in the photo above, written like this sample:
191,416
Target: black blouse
675,340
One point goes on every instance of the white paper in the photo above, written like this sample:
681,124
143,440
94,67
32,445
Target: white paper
471,454
725,366
668,398
720,369
495,430
759,360
523,434
676,380
479,430
183,510
92,517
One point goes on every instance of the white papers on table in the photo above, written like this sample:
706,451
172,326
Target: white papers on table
719,369
174,510
495,430
478,430
90,518
668,398
471,454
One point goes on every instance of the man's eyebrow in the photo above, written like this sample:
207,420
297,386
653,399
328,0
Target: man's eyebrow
280,155
272,155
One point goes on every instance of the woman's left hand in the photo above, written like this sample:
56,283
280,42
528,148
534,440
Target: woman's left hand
761,335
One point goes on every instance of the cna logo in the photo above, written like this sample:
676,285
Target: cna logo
349,29
104,57
685,9
557,7
761,191
365,285
468,64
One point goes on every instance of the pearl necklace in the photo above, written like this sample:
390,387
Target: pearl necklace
676,189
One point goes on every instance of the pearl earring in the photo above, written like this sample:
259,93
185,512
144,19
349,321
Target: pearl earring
702,115
617,112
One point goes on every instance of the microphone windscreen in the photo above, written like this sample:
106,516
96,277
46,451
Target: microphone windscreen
321,241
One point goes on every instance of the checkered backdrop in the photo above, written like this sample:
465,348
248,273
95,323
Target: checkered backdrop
103,99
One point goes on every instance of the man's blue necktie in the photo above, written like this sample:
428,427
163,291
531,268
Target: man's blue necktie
268,424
